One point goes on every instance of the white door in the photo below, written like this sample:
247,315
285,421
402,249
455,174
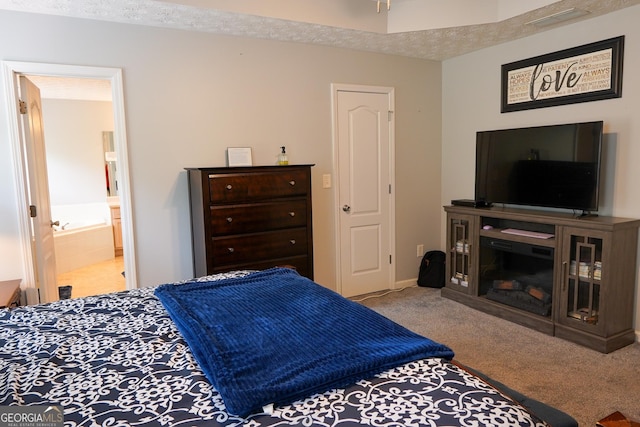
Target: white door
11,71
42,232
363,131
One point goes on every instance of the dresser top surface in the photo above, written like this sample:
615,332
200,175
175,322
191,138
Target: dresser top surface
248,168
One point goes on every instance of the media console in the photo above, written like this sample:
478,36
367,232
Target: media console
572,277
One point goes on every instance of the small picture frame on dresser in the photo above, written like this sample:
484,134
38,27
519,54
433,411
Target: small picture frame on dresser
239,156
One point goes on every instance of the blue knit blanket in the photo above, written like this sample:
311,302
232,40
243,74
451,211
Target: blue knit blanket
275,337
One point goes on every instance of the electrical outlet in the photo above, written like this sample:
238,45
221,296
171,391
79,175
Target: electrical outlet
419,250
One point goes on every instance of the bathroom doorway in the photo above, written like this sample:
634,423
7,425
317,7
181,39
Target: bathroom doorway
69,74
81,163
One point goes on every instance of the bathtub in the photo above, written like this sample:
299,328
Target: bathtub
82,243
74,226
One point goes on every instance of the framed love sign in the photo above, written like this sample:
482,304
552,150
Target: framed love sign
585,73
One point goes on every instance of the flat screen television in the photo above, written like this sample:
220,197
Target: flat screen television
556,166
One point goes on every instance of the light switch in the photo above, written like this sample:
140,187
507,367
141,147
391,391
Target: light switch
326,180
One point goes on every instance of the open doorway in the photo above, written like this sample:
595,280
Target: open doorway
81,163
35,280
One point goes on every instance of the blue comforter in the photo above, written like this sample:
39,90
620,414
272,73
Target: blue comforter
276,337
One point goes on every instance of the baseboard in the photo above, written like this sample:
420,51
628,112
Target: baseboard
637,336
406,283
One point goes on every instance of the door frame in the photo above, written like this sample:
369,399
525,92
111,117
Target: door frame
11,70
390,92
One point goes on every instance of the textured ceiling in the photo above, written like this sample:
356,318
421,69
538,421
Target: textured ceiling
434,44
72,88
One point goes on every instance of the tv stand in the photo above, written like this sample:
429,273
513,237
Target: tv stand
587,214
578,284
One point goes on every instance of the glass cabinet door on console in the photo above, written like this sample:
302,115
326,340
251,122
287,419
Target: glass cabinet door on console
583,288
460,232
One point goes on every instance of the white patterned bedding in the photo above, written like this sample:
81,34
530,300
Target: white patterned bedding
118,359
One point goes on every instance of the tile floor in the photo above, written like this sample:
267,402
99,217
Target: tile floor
101,278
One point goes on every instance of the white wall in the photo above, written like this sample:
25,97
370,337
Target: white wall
471,102
188,96
75,160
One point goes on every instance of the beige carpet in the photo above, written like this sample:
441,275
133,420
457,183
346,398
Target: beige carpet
582,382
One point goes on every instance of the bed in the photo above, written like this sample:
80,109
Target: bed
157,356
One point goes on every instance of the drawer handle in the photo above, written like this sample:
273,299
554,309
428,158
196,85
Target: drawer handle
292,214
292,183
231,250
229,219
229,186
292,241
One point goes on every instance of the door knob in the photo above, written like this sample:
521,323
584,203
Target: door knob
346,208
56,223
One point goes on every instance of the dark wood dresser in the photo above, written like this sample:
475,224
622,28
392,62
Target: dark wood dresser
251,218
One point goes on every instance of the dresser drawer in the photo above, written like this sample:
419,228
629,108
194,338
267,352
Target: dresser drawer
254,217
299,263
263,185
259,246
